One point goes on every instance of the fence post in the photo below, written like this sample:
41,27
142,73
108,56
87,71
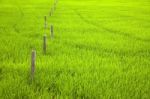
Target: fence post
52,10
45,24
50,13
44,44
33,58
51,31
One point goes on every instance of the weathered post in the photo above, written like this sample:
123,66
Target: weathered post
55,6
50,13
44,44
56,1
52,10
33,58
45,19
51,31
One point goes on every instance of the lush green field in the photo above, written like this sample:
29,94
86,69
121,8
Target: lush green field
100,49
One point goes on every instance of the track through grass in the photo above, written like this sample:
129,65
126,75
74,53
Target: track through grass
100,49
